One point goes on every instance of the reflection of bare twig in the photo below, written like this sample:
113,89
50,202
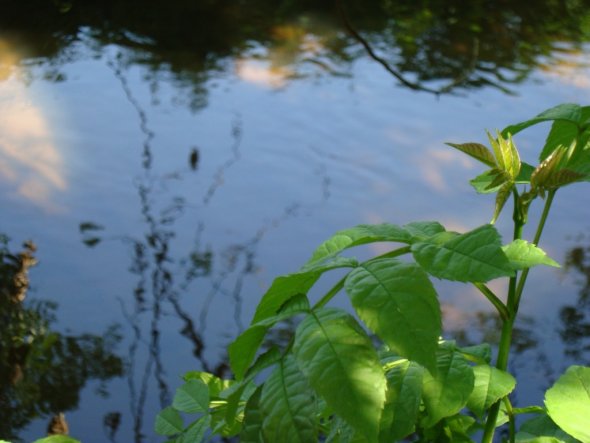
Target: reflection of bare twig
412,85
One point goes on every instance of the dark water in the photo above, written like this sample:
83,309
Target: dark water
168,160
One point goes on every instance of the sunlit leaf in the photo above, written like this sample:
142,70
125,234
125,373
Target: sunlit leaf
477,151
285,287
523,254
568,402
288,405
490,385
542,429
54,439
215,384
481,353
562,133
397,301
446,392
475,256
339,360
168,422
548,168
243,350
359,235
402,404
567,111
192,397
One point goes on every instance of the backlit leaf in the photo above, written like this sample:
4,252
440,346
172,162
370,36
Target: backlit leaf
490,385
475,256
192,397
288,405
55,439
446,393
501,198
339,360
567,111
477,151
562,133
359,235
397,301
568,402
168,422
402,404
523,254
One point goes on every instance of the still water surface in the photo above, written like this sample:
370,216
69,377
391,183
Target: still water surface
169,163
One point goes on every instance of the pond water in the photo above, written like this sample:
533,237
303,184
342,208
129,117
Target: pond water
168,161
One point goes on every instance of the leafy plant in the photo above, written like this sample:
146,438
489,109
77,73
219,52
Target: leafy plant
383,373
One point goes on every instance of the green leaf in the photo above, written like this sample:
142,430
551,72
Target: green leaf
488,182
544,173
359,235
285,287
476,256
523,255
503,195
568,402
55,439
477,151
481,353
490,385
288,405
423,230
196,432
567,111
447,392
542,429
244,348
252,429
192,397
215,384
339,360
562,133
168,422
397,301
402,404
507,157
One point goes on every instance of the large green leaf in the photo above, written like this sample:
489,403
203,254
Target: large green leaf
542,429
402,404
523,254
397,301
168,422
339,360
447,392
55,439
490,385
192,397
288,405
359,235
244,348
476,256
423,230
285,287
568,402
252,428
568,112
564,132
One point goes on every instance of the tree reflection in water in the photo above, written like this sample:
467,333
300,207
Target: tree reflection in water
575,318
42,371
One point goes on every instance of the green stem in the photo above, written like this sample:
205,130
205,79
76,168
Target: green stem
493,298
542,221
511,422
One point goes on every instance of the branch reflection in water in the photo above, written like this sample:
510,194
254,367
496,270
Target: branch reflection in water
164,279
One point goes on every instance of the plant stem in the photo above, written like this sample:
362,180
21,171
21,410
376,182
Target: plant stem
493,298
542,221
511,423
